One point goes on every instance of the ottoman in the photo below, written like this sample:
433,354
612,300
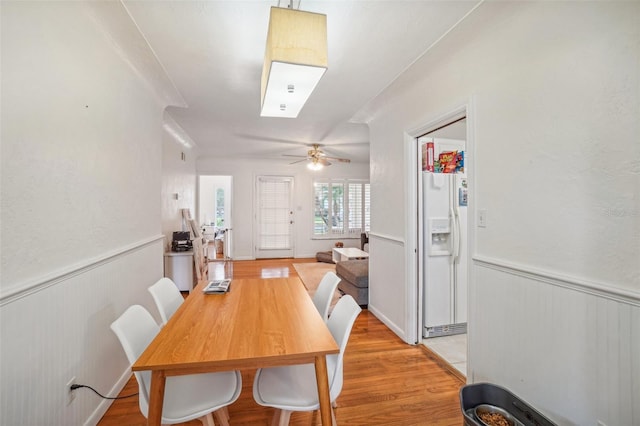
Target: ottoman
354,276
324,256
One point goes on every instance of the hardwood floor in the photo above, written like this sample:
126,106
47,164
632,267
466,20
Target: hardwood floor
386,382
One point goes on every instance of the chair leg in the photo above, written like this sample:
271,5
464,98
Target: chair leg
281,418
225,410
222,416
207,420
276,417
284,418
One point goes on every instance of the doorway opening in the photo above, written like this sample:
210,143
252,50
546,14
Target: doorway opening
442,185
215,216
433,233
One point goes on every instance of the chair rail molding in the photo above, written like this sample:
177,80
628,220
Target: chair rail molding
391,238
40,283
568,282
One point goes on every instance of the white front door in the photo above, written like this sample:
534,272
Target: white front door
274,217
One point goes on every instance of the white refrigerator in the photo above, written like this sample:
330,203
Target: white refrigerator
444,252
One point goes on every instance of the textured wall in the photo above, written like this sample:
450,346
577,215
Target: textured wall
551,114
82,108
554,100
80,143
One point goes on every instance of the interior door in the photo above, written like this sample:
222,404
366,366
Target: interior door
274,217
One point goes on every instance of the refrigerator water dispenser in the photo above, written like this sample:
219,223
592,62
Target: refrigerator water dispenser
440,236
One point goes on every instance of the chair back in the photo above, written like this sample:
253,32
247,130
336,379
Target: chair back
135,329
340,324
324,294
167,297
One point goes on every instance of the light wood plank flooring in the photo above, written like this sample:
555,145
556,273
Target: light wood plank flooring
386,382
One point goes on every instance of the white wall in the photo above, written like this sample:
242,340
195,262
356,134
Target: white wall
554,98
82,114
244,173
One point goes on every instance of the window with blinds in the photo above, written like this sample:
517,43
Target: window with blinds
337,208
341,207
274,213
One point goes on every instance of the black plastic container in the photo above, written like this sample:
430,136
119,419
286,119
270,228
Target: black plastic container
486,393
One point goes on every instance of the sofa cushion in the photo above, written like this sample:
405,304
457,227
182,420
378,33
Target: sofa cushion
354,271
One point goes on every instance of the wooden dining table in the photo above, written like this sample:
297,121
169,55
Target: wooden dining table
257,323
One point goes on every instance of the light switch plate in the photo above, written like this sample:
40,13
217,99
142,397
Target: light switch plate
482,218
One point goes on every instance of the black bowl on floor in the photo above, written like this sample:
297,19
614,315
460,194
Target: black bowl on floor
477,394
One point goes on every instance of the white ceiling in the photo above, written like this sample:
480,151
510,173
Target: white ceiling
213,52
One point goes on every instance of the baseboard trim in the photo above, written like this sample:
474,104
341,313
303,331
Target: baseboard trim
443,363
386,321
572,283
104,405
40,283
305,256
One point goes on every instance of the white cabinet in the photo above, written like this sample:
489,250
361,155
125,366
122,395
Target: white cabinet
179,267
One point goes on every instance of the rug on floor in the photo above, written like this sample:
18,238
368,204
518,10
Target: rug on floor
311,273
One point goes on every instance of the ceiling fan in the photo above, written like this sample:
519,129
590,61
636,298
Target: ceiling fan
317,158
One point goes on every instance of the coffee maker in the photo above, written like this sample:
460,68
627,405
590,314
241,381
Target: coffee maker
181,241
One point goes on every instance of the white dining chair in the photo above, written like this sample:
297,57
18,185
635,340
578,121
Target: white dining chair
293,387
188,397
324,293
167,297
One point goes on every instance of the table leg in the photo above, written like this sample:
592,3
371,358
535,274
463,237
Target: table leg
322,381
156,397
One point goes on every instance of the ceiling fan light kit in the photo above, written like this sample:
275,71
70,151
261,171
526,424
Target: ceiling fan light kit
316,158
314,165
295,60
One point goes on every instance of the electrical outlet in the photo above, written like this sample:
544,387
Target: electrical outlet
71,395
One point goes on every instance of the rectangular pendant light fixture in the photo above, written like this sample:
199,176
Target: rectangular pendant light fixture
295,60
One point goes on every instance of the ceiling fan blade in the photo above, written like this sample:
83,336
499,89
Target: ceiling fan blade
341,160
316,155
299,161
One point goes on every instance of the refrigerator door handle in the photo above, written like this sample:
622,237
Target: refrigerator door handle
458,236
454,235
455,218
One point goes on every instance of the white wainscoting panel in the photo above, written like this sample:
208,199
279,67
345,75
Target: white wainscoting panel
575,353
387,286
62,331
